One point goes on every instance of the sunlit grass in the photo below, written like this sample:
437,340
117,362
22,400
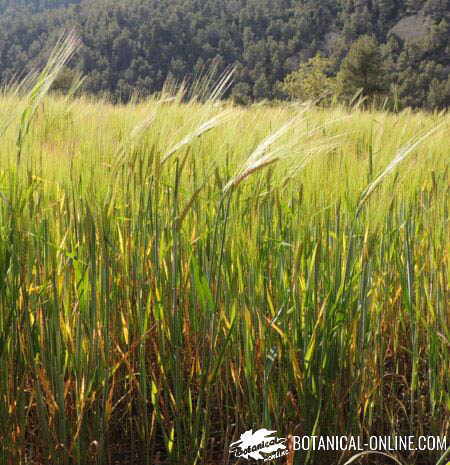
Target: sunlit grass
148,310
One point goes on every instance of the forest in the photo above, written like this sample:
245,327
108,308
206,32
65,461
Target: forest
135,46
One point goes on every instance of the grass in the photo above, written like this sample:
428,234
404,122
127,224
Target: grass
173,274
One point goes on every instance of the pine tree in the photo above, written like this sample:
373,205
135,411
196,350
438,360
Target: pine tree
362,69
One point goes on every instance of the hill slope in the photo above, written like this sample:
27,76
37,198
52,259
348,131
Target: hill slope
139,43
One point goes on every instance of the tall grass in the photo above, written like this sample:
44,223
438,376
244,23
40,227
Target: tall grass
153,305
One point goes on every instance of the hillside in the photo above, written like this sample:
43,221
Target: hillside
139,43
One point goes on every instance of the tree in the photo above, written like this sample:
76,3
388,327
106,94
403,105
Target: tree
362,69
241,93
261,89
439,94
66,80
312,80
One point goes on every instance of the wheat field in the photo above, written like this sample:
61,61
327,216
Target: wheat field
177,270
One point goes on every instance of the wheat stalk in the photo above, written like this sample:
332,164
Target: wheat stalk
199,131
401,154
260,158
60,55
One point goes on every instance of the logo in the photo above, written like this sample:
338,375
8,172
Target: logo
253,444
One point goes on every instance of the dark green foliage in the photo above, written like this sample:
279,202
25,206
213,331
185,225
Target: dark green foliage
363,69
135,45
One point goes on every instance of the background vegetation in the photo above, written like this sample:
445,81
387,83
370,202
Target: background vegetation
137,44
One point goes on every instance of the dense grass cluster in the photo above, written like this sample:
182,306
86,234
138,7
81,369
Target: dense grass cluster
173,274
